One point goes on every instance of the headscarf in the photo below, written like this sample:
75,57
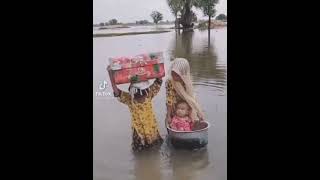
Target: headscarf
182,68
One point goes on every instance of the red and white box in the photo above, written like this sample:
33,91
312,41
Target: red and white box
138,68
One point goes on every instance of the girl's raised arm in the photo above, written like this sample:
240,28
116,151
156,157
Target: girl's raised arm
169,101
155,87
169,113
116,91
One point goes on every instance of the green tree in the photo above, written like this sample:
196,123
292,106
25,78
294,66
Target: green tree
113,22
194,17
186,14
175,7
208,9
142,22
221,17
156,16
185,8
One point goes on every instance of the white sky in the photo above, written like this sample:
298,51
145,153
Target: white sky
132,10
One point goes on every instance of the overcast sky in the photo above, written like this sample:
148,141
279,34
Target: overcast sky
132,10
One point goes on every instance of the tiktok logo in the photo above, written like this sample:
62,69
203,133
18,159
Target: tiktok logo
103,85
101,92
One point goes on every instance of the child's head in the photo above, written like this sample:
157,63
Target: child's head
182,109
139,89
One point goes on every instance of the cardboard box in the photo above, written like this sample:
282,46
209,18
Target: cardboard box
138,68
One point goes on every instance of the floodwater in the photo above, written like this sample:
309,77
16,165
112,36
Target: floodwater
138,28
112,157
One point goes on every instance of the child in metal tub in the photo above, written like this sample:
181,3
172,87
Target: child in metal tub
181,121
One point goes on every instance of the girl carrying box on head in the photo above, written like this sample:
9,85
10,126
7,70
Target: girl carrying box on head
143,120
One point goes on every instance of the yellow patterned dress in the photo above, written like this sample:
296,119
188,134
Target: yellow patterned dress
172,96
144,125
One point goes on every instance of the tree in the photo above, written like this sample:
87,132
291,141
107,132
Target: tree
186,14
156,16
208,9
221,17
185,8
175,7
101,24
142,22
194,17
113,22
145,22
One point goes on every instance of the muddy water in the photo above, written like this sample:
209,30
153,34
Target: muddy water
112,156
141,28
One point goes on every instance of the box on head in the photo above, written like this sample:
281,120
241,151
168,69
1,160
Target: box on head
137,68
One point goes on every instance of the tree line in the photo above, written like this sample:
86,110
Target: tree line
183,9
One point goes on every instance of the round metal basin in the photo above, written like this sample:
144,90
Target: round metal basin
190,139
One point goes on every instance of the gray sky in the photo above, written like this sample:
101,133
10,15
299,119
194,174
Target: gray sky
132,10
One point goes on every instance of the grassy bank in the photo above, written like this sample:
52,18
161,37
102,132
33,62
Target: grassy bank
128,33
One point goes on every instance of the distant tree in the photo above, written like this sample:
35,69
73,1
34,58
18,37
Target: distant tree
208,9
142,22
221,17
101,24
156,16
113,22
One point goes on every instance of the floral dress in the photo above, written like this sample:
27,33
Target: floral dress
172,96
144,125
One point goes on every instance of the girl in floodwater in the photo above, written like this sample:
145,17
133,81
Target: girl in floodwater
144,125
179,88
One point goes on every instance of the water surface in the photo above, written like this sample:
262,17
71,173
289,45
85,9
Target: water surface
112,158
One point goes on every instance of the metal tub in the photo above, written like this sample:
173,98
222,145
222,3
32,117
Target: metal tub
189,139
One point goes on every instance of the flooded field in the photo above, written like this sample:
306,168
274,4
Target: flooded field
112,158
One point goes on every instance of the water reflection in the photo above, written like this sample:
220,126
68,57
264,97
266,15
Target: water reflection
186,164
209,74
147,165
167,162
200,52
182,46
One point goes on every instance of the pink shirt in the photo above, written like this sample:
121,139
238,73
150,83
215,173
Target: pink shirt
177,123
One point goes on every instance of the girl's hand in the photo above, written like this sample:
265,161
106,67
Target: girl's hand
116,91
190,120
109,70
168,119
159,80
